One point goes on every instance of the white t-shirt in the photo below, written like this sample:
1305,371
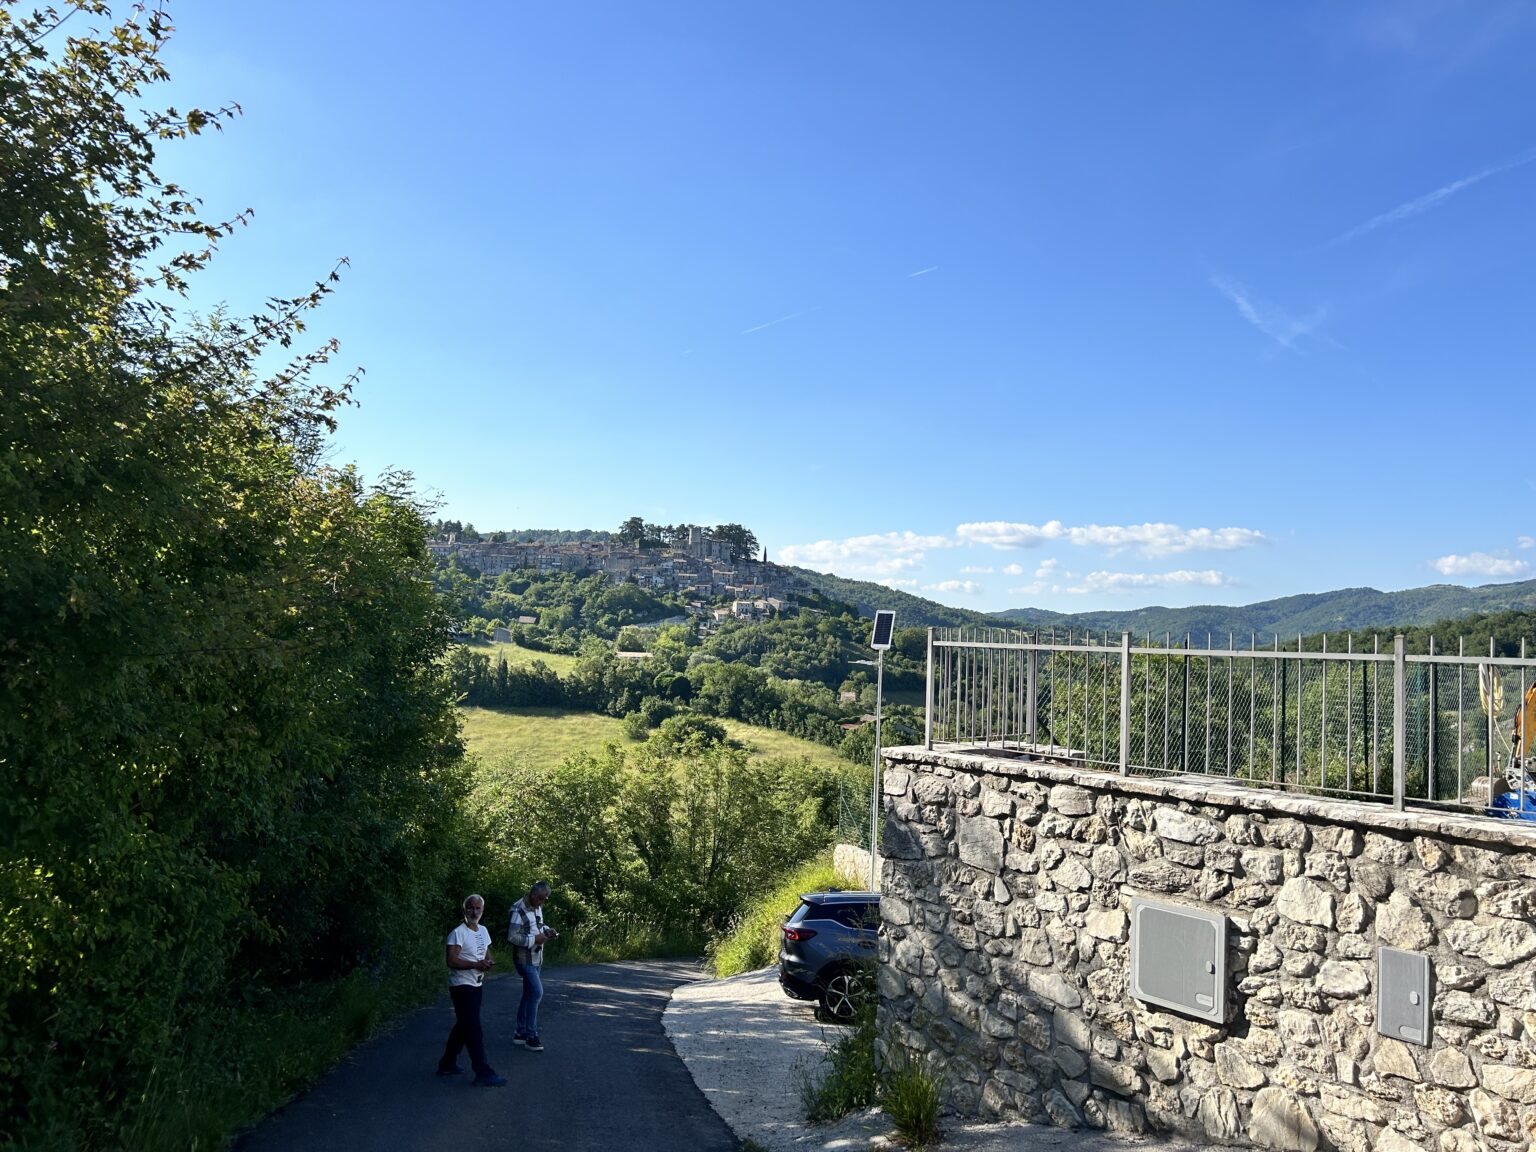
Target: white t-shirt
473,945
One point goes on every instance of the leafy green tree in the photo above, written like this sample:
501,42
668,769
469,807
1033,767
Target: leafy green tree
743,543
631,640
231,766
689,731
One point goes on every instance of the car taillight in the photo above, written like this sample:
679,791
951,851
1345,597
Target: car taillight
798,935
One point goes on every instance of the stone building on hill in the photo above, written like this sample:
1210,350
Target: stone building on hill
700,568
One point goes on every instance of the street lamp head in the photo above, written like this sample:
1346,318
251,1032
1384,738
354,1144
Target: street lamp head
885,625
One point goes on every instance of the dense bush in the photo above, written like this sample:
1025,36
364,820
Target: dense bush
477,681
655,848
583,604
229,769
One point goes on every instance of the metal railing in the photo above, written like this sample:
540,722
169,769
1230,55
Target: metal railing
1373,723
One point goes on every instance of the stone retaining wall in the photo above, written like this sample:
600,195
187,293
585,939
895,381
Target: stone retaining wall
1006,956
852,861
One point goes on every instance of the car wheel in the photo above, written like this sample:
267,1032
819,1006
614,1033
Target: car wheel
841,995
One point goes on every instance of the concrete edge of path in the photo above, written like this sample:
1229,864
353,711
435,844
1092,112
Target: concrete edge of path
747,1047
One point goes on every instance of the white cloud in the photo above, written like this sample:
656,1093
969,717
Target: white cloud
871,557
1046,577
1111,582
1147,539
1279,325
1480,564
1527,541
969,587
893,583
977,570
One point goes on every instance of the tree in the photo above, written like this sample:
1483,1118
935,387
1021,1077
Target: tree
231,765
743,543
632,531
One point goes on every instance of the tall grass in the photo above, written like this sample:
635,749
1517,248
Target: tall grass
235,1069
754,943
911,1099
845,1078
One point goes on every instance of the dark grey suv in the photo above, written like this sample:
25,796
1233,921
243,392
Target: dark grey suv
829,943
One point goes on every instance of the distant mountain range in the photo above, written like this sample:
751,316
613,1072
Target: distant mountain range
911,611
1348,609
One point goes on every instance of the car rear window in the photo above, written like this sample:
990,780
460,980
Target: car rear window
854,915
850,915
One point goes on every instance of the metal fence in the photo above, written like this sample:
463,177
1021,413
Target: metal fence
1370,722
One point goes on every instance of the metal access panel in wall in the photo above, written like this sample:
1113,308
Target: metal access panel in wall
1403,994
1179,958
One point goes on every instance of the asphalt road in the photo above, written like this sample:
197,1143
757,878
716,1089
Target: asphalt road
607,1079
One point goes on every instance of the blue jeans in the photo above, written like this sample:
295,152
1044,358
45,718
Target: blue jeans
466,1030
528,1007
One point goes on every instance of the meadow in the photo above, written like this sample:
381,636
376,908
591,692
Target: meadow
549,735
518,657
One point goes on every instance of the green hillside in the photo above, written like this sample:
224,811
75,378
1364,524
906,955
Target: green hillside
1346,610
911,611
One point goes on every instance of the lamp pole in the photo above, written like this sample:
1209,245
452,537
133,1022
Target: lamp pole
880,639
874,790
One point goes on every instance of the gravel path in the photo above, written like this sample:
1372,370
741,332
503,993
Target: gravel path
745,1042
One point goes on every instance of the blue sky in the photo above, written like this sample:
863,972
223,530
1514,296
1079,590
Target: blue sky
1062,306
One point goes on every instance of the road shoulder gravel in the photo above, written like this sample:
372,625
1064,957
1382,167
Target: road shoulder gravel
747,1045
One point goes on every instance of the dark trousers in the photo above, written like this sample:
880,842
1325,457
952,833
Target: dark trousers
466,1030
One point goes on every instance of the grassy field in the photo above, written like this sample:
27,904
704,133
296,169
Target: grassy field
517,657
551,734
767,743
541,734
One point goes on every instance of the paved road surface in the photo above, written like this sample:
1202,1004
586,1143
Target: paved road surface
608,1079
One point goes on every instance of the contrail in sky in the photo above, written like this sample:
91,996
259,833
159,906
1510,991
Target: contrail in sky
1432,199
1275,323
780,320
922,272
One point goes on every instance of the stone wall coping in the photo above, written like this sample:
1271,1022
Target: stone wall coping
1196,789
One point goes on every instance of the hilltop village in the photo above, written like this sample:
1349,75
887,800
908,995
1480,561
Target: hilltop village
701,569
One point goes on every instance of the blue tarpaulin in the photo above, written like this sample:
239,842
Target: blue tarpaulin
1515,805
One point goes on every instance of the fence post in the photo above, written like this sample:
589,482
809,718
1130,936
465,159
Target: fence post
1399,720
1031,680
928,708
1125,703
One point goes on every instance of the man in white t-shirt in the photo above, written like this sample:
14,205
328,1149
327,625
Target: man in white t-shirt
469,959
